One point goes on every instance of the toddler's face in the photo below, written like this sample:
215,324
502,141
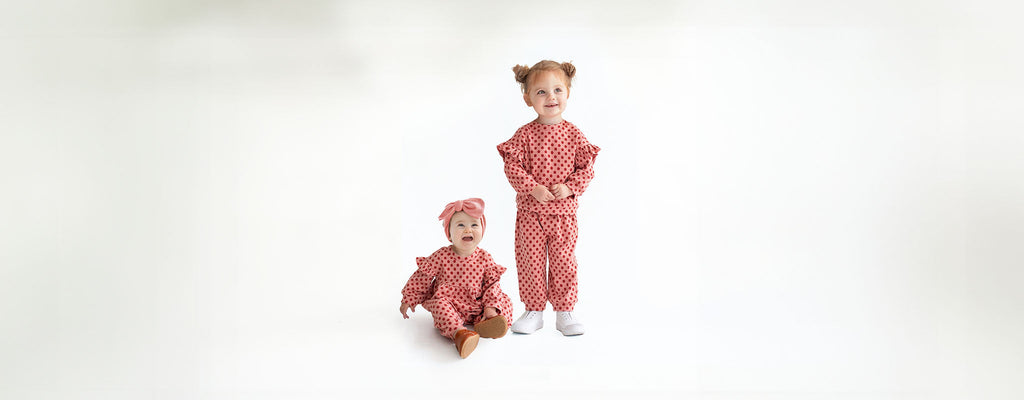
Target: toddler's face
465,232
548,94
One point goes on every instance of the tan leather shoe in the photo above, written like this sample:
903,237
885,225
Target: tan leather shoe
492,328
465,342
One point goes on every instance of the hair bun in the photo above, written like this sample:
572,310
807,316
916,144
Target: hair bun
521,72
570,70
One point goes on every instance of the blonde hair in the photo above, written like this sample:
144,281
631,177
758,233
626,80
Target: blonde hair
525,74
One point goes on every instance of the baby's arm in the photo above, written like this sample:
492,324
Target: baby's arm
492,289
406,307
417,289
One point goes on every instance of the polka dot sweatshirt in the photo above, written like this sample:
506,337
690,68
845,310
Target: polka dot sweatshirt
541,154
470,282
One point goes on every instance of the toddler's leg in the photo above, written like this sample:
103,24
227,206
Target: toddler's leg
562,283
531,260
446,318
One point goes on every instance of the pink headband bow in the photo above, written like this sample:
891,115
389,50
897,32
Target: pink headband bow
473,206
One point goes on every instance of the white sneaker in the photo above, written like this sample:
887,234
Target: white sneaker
529,322
566,323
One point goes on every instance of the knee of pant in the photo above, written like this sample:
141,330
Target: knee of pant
438,306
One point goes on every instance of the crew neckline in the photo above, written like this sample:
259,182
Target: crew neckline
541,124
451,248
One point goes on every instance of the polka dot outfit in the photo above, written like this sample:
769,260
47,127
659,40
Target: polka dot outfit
546,233
546,239
456,289
541,154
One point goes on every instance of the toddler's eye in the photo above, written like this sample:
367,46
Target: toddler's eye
540,92
558,90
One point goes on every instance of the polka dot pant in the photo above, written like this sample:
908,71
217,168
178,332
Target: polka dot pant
546,260
448,319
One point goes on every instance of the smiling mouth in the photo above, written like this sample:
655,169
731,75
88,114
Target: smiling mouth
467,238
551,105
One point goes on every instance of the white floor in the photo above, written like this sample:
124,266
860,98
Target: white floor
644,356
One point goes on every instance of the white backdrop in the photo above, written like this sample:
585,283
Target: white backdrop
794,199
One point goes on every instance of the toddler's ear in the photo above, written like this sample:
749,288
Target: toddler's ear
526,98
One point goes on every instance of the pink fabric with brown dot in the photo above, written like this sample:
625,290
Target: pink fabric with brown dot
456,289
546,234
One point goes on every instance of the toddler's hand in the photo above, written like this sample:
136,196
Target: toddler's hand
560,191
542,194
405,307
490,312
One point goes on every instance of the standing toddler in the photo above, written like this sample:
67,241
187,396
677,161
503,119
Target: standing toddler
549,164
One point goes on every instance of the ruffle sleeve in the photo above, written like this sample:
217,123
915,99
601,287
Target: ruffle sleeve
493,274
421,284
512,151
492,277
426,265
583,167
585,156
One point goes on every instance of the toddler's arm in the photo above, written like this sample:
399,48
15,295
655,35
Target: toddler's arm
583,165
515,170
560,191
542,194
